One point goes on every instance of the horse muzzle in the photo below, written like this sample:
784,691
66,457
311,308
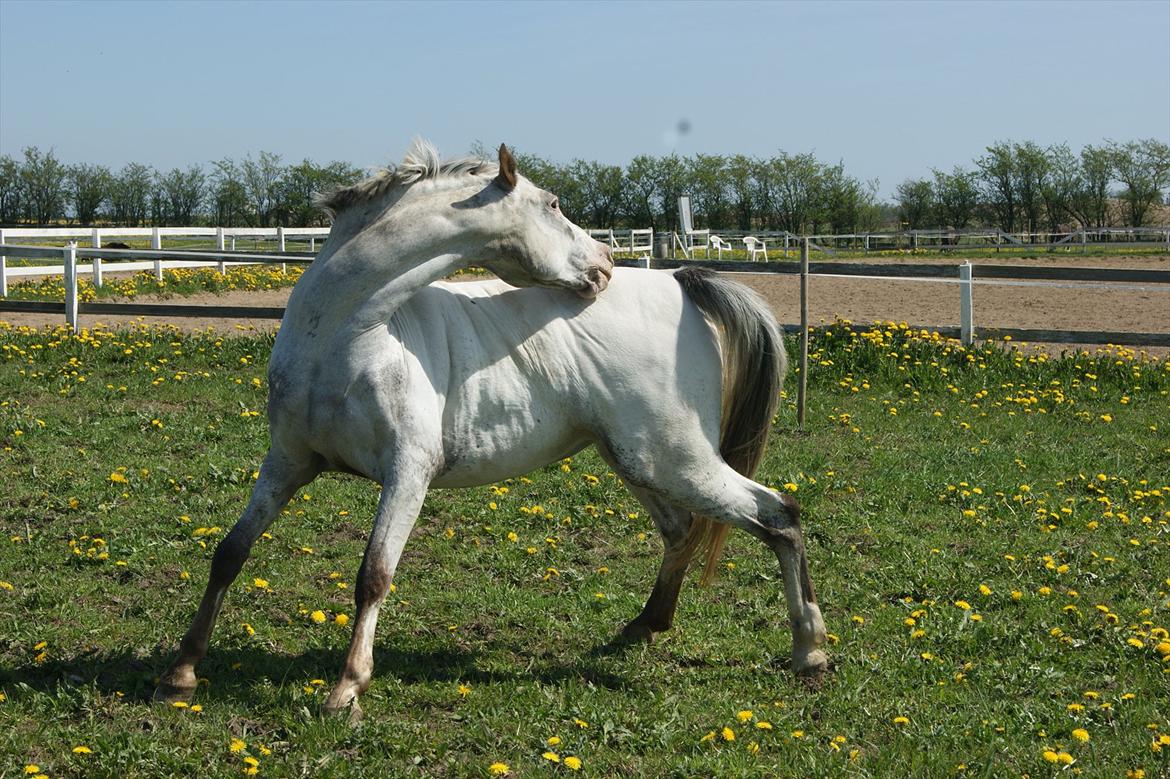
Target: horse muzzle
596,280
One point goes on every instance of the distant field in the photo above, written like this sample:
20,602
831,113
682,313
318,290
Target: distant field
989,533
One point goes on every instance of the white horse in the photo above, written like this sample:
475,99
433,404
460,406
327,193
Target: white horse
381,372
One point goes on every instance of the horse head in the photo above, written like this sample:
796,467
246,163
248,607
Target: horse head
532,242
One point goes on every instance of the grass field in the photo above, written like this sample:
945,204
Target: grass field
988,529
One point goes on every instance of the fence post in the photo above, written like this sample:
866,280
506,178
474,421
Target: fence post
156,244
1084,242
70,252
3,269
280,238
802,384
966,315
219,248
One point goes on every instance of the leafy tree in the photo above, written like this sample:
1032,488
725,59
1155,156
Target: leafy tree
1060,185
89,188
1031,176
261,178
707,182
182,194
1144,168
997,171
229,198
600,188
846,204
797,181
916,199
11,191
130,194
956,198
1089,201
670,183
42,180
302,182
740,171
640,202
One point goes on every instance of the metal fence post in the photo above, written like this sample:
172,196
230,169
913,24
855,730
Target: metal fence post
966,314
70,252
802,384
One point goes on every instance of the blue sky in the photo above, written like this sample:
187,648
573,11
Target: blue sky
892,89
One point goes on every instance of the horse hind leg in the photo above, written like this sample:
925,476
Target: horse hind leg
279,479
673,523
707,486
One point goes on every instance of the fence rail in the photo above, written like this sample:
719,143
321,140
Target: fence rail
965,276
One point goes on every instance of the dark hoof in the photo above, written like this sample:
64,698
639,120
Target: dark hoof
638,633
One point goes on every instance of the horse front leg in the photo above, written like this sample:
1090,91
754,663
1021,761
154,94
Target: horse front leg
397,511
279,479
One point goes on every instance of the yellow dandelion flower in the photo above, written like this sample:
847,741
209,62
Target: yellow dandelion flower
744,715
318,616
498,769
237,745
553,741
901,720
341,619
1080,734
260,584
552,757
764,725
82,750
1049,756
573,763
728,734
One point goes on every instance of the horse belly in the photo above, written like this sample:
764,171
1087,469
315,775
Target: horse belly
494,440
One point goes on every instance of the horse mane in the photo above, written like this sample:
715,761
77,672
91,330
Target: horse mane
421,162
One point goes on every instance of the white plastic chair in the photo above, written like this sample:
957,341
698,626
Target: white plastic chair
755,246
718,244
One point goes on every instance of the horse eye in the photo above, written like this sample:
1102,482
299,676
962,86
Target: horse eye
555,204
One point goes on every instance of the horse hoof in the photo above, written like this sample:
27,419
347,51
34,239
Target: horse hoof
169,693
812,669
336,710
637,632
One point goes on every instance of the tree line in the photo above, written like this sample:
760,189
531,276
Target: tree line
1013,186
1023,187
257,191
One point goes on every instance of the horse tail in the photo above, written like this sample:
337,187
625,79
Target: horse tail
754,364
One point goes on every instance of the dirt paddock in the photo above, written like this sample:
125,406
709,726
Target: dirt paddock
1070,306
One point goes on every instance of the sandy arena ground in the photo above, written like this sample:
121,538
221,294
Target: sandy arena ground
1138,308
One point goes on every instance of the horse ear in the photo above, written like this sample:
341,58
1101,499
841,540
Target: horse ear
507,175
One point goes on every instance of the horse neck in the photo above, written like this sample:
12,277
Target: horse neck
376,268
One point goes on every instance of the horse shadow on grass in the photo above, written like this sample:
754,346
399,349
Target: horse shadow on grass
234,674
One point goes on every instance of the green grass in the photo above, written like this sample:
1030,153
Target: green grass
926,471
